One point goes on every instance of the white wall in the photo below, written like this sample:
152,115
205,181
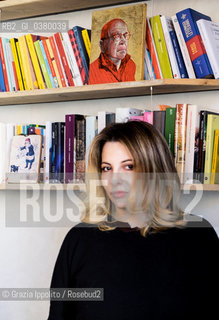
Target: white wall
28,254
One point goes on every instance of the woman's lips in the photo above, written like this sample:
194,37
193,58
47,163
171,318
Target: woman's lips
119,194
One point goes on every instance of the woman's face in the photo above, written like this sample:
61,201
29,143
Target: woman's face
117,173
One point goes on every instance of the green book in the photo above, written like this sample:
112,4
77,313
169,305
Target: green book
169,131
42,64
212,125
161,47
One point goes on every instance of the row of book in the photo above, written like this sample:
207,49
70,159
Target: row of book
57,151
37,62
185,45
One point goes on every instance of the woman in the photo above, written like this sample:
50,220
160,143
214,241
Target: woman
151,260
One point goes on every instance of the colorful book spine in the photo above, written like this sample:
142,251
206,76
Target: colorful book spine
36,66
160,43
180,139
2,82
42,64
169,132
59,151
21,65
81,46
78,57
4,42
58,61
215,160
210,36
13,42
87,41
183,48
148,117
53,73
54,62
47,64
148,63
188,23
69,147
2,57
58,39
167,28
13,75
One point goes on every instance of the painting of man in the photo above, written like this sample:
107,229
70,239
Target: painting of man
113,59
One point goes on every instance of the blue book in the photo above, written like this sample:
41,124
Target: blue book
179,57
82,49
187,20
47,64
2,82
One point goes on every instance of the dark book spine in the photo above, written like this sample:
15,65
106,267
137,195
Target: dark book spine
81,46
52,163
69,147
59,151
110,118
159,120
80,125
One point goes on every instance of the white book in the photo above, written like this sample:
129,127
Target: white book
3,150
124,114
167,27
71,60
10,132
10,64
183,48
210,36
192,131
104,119
63,70
48,148
149,63
91,132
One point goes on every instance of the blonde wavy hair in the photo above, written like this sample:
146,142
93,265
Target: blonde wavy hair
156,186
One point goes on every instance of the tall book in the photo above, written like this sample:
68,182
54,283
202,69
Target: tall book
2,57
188,23
153,51
212,125
48,145
80,132
86,34
210,36
69,147
58,61
43,64
13,42
159,120
180,139
215,160
104,118
91,132
59,151
2,82
7,64
50,62
169,132
183,48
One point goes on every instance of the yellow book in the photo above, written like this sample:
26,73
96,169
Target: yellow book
54,62
212,125
27,64
21,65
35,61
86,41
161,47
17,64
215,160
19,129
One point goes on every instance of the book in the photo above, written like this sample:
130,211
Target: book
161,47
2,57
169,131
58,38
34,58
3,149
183,48
58,61
152,50
51,67
2,82
11,66
168,34
180,139
91,132
215,160
159,120
21,65
13,42
104,118
8,67
69,147
48,150
86,34
212,125
148,66
25,157
53,80
43,64
188,23
128,63
210,36
53,61
59,151
80,133
76,51
124,114
192,142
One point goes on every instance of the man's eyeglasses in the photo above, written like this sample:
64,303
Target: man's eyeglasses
118,36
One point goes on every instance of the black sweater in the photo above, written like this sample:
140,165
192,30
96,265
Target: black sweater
169,275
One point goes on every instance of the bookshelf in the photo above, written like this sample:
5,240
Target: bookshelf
111,90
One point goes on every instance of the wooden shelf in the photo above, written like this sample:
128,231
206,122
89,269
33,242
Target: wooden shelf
17,9
80,186
111,90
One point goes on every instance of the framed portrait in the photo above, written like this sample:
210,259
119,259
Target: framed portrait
25,155
118,44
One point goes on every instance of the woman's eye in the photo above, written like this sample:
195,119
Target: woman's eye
131,166
105,169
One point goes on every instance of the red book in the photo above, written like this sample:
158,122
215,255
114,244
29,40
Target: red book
77,56
58,39
4,66
15,76
58,62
